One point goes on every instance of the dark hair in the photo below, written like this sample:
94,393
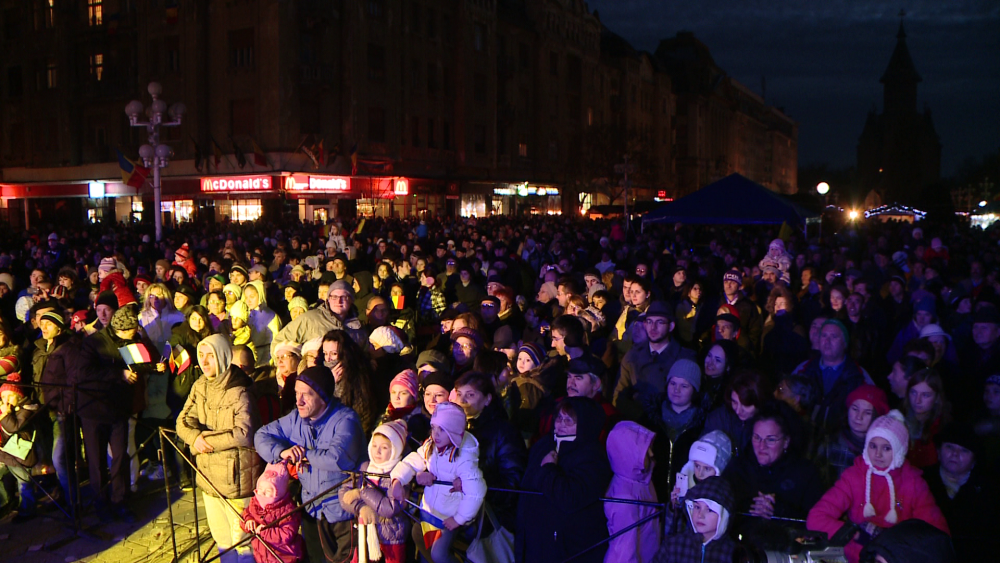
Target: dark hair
603,294
689,285
244,349
933,380
750,386
572,329
205,316
807,389
771,412
643,283
566,407
479,381
490,362
471,321
919,345
355,387
570,284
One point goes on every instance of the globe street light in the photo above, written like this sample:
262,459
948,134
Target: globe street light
154,154
822,188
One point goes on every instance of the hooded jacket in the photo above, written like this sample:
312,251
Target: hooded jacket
317,322
913,500
223,412
689,546
568,516
264,325
391,525
627,445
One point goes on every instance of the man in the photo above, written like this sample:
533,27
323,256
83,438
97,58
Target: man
218,422
322,437
584,378
335,314
564,290
643,380
54,353
751,323
376,313
838,374
981,358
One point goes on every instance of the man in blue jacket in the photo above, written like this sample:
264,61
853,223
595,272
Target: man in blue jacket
322,437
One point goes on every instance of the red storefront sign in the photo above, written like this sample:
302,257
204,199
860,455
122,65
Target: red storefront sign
401,187
237,184
303,183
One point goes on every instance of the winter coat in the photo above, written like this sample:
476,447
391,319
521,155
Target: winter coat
103,394
568,516
502,458
333,445
317,322
284,537
913,541
643,381
913,500
24,420
689,546
837,453
223,412
972,514
158,328
264,325
832,408
182,337
739,431
392,526
627,445
793,480
463,462
56,374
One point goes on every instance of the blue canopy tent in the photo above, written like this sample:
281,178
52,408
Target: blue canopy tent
733,200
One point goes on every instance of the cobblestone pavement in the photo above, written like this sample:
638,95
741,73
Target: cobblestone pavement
51,538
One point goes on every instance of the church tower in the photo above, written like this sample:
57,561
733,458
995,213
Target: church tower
900,79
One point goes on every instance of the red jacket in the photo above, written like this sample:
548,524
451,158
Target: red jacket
283,537
913,500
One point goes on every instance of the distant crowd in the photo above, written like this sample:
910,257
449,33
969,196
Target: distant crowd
512,389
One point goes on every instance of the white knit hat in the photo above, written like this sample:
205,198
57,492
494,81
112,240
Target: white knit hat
892,429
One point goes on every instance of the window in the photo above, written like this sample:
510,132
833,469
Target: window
590,116
310,112
522,150
376,62
51,76
446,27
415,75
241,48
479,136
49,14
376,125
431,143
446,136
417,18
553,151
15,81
554,63
479,37
432,79
415,131
95,12
479,87
172,45
242,117
15,134
97,66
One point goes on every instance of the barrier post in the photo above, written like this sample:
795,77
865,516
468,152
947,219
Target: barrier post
166,489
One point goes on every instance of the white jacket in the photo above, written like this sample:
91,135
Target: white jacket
454,462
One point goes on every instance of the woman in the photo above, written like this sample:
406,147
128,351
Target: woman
352,372
689,315
435,388
264,323
879,491
774,480
720,363
216,303
899,378
785,343
838,451
570,468
184,339
502,455
158,315
834,301
927,411
747,392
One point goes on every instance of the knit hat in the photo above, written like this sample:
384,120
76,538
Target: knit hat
435,359
534,351
687,370
386,338
298,302
873,395
406,379
925,304
234,289
54,317
9,365
239,310
503,338
289,347
8,280
312,346
107,264
342,285
241,269
933,330
450,418
259,268
124,319
470,333
320,378
12,385
182,253
961,434
840,325
440,378
992,380
163,263
733,275
892,429
272,485
714,449
396,432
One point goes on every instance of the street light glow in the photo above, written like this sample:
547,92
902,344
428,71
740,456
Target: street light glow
982,203
822,188
853,214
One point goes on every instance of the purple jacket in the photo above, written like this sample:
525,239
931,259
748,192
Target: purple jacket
393,526
628,443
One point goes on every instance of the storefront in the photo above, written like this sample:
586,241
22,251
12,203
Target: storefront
526,199
234,198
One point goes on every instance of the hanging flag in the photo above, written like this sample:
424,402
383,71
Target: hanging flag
354,159
136,353
259,158
132,174
334,152
311,154
321,154
216,152
241,158
199,157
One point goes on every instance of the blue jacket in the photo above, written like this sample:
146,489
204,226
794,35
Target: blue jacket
333,445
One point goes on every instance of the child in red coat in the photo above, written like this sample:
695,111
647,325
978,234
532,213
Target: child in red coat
266,517
880,490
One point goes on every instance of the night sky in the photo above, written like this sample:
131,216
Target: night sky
822,62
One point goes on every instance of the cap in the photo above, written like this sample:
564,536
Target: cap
587,364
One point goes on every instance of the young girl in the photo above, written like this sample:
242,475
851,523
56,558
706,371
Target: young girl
630,452
927,412
386,527
451,454
709,506
837,452
708,457
880,490
402,397
266,517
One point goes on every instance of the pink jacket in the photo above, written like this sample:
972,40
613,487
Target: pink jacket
913,500
283,537
627,446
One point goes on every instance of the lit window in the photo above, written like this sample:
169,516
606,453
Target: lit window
51,76
97,66
95,15
136,206
50,14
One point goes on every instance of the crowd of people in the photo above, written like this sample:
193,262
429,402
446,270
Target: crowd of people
542,387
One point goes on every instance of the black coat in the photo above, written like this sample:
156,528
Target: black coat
502,459
568,516
103,394
972,515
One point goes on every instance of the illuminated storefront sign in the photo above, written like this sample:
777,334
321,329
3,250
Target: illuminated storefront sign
237,184
401,187
523,190
302,183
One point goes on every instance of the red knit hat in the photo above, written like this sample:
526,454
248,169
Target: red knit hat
12,385
181,253
873,395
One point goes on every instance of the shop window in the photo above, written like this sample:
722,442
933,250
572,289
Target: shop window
522,150
94,215
320,215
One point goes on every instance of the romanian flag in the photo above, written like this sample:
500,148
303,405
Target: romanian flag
136,354
132,174
259,158
321,153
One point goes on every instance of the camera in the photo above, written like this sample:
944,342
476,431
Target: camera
804,546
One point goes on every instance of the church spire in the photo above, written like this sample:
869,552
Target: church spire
900,78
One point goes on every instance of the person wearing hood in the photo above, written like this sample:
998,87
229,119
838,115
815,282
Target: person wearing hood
709,506
336,313
362,285
879,491
218,422
912,541
570,468
630,454
263,322
707,457
158,315
273,517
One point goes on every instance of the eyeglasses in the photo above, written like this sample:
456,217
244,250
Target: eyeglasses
656,322
287,356
770,440
463,347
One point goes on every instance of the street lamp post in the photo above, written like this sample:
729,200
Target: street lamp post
822,189
154,154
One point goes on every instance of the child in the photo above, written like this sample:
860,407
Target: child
386,527
709,505
631,455
679,412
880,490
266,517
708,457
450,454
402,397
